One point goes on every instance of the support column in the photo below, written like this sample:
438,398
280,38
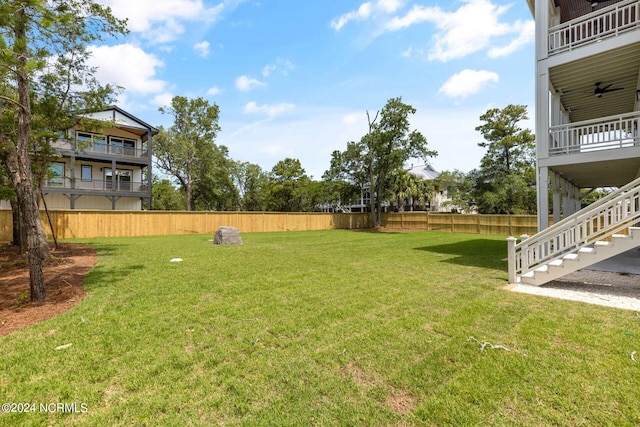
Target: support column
542,14
543,198
73,171
557,189
576,199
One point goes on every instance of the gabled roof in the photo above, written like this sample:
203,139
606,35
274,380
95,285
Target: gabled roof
122,119
424,171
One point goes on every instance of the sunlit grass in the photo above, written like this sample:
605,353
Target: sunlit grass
326,328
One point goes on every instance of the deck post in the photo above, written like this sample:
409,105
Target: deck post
511,258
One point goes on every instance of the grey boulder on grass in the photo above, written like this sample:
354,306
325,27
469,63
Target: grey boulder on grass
227,236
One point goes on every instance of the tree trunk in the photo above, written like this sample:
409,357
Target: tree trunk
189,193
376,209
19,235
30,222
400,204
19,165
188,189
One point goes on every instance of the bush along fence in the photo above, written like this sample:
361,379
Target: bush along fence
69,224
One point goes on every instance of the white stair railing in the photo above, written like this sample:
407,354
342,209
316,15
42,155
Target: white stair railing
609,215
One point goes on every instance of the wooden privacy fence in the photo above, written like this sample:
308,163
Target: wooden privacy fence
507,225
69,224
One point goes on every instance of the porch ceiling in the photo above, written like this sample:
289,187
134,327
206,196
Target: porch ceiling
575,82
605,173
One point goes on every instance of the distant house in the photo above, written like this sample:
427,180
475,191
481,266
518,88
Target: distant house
426,172
106,169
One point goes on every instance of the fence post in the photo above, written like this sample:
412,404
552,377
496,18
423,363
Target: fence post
511,258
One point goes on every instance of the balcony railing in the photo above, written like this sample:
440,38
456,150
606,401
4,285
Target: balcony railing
606,22
605,133
105,185
115,150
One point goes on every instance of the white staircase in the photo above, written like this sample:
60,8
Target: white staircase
584,257
604,229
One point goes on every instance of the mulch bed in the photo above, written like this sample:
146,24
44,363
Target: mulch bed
64,274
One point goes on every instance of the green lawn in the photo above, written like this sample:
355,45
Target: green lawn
321,328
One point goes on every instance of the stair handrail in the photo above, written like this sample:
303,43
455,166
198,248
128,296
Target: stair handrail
566,229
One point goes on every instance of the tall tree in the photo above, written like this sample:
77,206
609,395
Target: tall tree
405,186
215,190
165,197
182,149
34,35
509,147
505,182
384,149
458,186
286,185
251,184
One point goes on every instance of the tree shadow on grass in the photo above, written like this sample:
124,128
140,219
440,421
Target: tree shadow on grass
101,275
484,253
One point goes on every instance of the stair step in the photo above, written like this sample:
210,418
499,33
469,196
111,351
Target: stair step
556,263
586,251
571,257
602,243
621,236
542,269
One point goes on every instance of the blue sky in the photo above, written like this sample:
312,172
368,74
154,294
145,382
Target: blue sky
295,78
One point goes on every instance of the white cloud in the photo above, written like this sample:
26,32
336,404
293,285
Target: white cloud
527,34
162,100
202,48
363,12
353,119
161,21
141,80
412,52
270,110
214,91
471,28
281,65
467,82
389,6
366,11
246,84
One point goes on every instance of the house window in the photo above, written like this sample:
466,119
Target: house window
92,142
122,146
87,173
56,175
122,181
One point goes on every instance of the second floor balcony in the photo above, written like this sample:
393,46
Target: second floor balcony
100,148
116,150
592,27
64,184
606,133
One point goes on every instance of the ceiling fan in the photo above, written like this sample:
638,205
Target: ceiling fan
599,91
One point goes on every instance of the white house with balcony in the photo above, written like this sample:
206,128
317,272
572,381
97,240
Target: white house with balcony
425,172
105,169
587,116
